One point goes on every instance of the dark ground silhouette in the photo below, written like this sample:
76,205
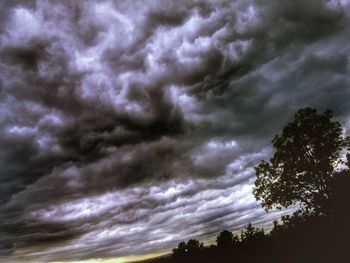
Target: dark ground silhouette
307,169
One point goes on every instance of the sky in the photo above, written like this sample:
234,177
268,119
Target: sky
129,126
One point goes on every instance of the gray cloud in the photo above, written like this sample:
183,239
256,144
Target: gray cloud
128,126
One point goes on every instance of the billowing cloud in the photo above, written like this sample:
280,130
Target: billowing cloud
126,127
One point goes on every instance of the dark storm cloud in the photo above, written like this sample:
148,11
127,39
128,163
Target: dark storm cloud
131,125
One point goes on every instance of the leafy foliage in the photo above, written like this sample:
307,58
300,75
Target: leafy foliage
251,234
303,166
190,249
302,171
226,240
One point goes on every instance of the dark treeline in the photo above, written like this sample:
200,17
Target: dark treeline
298,238
310,168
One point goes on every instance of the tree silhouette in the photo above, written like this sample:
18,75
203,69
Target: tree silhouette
250,233
303,167
187,250
306,170
193,245
181,250
290,223
224,240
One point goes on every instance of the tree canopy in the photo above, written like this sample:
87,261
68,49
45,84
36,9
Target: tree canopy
250,233
308,169
225,239
303,166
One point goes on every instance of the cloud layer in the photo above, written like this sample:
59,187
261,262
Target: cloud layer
126,127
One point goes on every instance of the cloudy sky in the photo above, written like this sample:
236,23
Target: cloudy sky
128,126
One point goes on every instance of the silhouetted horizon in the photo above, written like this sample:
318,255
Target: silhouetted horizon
127,127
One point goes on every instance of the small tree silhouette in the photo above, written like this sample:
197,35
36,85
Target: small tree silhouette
187,250
193,245
224,240
251,234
